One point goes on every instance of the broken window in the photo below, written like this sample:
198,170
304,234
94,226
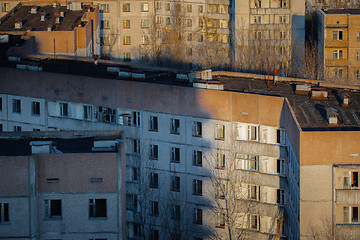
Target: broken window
197,217
154,180
175,183
283,3
254,222
125,119
4,212
197,158
97,208
280,166
221,220
197,129
197,187
153,123
154,152
351,214
175,154
254,192
88,112
106,114
280,197
355,179
53,209
280,136
132,202
220,131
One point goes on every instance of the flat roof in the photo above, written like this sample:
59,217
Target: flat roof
19,143
342,11
32,22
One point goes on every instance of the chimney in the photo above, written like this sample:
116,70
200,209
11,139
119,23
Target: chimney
41,147
62,14
345,100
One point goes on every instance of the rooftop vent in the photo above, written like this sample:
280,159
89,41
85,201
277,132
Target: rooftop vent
302,88
62,14
105,146
57,20
18,24
43,147
332,116
319,93
54,5
34,10
76,6
43,17
345,100
201,75
49,28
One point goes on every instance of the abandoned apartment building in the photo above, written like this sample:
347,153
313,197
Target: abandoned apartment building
273,144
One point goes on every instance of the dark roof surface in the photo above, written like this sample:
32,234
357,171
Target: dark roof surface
32,21
342,11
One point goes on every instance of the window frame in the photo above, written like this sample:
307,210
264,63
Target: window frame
154,180
154,152
197,129
198,216
220,132
175,126
16,105
5,7
197,158
144,7
64,109
126,24
4,213
50,212
126,7
94,210
154,208
197,187
175,183
35,108
338,35
175,155
153,124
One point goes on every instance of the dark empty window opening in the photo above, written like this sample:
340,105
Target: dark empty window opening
53,209
97,208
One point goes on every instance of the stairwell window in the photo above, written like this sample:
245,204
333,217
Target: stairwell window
53,209
4,212
97,208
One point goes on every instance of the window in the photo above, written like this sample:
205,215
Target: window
16,105
257,19
175,126
175,212
283,3
257,3
4,212
351,214
158,5
126,7
64,109
127,56
132,202
144,23
97,208
105,40
105,24
189,8
280,196
201,22
154,180
167,6
197,218
88,112
253,133
126,24
280,166
197,158
197,129
5,7
137,229
337,73
104,7
154,152
154,209
189,22
53,209
175,154
154,234
35,108
254,192
17,128
0,104
167,21
257,35
127,40
337,54
158,20
357,55
358,36
136,146
220,132
136,174
144,7
201,38
247,162
220,161
221,220
153,123
254,222
175,184
201,8
197,187
282,19
337,35
145,40
1,128
280,136
357,74
283,35
189,37
283,50
220,191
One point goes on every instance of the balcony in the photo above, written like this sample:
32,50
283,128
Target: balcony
336,62
348,196
337,43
